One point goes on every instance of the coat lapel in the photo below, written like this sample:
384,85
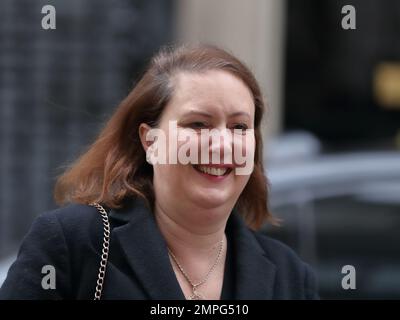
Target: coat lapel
254,272
146,251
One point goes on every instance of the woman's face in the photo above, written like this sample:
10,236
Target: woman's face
211,100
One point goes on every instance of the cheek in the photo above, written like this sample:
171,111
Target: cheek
244,151
167,175
248,143
239,184
179,145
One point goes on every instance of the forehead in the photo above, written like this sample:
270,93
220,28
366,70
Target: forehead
214,90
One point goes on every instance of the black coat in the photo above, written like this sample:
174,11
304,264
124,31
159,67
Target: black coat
70,239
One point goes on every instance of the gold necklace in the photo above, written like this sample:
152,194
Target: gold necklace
195,294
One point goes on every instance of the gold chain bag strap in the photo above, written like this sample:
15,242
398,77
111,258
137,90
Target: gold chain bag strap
104,252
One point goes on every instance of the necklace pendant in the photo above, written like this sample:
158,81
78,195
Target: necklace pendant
196,296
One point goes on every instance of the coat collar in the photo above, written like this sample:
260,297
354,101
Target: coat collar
147,255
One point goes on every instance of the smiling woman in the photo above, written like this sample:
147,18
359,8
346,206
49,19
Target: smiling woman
171,230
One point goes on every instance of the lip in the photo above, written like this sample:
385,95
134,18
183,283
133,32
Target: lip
215,178
218,166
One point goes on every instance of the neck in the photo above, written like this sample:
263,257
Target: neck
186,238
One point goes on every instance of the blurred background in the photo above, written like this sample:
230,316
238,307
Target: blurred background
332,130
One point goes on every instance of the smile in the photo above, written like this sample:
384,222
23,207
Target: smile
213,171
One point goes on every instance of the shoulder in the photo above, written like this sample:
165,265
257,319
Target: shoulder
70,218
290,268
76,226
71,214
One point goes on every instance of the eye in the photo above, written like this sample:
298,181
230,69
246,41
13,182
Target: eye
240,126
198,125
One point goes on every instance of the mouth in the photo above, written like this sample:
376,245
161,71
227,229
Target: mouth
216,172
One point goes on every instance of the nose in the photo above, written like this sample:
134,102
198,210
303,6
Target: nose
220,146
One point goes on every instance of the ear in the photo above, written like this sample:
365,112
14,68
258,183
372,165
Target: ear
143,130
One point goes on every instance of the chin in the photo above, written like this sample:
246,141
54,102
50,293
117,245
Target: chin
211,199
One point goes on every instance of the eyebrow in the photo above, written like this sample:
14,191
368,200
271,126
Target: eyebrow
208,115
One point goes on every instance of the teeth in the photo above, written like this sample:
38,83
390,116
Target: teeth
213,171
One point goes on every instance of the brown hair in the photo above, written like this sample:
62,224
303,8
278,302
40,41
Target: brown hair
114,167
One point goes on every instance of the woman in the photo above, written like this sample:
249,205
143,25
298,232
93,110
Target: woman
179,230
